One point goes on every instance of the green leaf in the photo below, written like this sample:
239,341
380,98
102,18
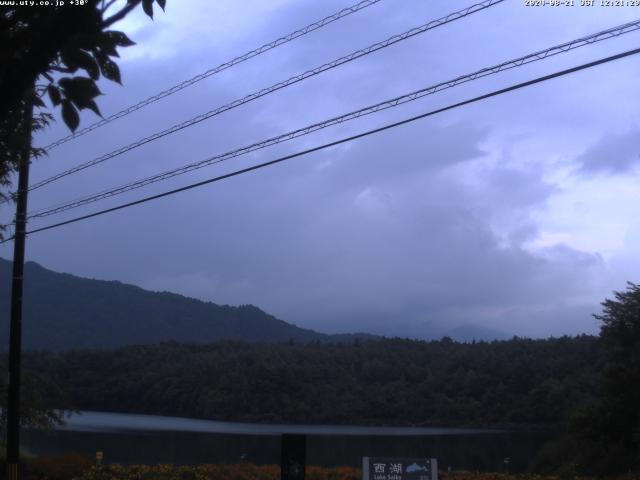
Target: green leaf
93,106
110,69
88,40
37,101
69,61
105,46
147,6
70,115
119,38
79,89
89,64
76,58
54,95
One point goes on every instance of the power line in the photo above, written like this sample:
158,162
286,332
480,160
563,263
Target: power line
277,86
223,66
344,140
533,57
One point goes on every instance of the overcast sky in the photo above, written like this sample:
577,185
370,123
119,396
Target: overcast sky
520,213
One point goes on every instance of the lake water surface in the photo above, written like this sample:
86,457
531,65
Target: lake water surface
127,438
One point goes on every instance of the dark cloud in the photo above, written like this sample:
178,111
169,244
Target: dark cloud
383,252
616,153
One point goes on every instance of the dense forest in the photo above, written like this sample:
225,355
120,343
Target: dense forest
519,382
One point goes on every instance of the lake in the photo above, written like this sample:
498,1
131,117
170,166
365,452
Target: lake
128,438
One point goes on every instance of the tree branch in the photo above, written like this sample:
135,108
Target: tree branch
60,69
107,6
120,15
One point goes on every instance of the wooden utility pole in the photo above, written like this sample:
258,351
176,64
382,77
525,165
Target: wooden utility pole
15,328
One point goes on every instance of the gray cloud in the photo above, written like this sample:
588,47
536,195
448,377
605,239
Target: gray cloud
387,252
419,228
615,153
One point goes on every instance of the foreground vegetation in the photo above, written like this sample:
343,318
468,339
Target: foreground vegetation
80,468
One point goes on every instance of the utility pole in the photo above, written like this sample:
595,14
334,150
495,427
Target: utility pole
15,328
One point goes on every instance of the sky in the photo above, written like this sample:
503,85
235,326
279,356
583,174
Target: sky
518,214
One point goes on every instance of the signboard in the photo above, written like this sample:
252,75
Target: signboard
383,468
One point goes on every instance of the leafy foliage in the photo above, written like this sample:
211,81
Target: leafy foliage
63,468
80,468
37,394
15,133
46,44
60,467
44,52
605,434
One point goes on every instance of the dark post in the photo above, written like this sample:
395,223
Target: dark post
15,329
294,457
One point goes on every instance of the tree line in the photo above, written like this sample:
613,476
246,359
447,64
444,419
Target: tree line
520,382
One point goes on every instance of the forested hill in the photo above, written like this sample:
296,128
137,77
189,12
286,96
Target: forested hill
62,311
394,382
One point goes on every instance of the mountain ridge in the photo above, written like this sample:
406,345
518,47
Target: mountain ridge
63,311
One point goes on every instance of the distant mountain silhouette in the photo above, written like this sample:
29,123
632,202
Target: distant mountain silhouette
62,311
